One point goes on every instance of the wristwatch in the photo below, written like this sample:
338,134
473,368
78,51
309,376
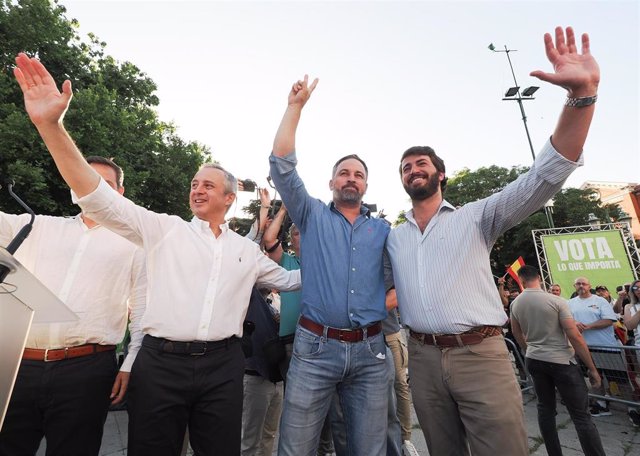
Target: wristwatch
580,102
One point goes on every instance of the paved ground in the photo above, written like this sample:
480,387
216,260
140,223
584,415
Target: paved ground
619,437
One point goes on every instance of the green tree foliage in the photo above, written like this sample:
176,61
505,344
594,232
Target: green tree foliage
571,208
112,114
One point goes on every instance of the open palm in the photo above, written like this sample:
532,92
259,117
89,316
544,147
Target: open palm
43,101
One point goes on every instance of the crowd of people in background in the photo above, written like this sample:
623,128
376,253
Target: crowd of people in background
237,338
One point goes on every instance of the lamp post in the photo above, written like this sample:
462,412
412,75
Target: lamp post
625,218
594,221
513,94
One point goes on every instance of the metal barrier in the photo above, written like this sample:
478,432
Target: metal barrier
526,384
619,368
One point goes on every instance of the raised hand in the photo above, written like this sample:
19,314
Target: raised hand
43,101
577,72
265,198
301,91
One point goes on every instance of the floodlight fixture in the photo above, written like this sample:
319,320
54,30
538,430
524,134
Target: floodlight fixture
512,91
529,91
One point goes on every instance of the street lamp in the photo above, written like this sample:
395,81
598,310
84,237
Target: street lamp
593,220
548,210
513,94
625,218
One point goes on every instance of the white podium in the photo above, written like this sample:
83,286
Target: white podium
23,301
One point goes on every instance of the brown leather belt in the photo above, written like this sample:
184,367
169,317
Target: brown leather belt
471,337
57,354
344,335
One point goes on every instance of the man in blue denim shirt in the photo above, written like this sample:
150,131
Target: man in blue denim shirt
339,345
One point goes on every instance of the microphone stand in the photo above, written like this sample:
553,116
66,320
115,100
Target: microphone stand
22,234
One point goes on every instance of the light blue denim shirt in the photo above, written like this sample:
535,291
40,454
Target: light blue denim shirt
341,264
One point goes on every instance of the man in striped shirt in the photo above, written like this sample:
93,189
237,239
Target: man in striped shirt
463,386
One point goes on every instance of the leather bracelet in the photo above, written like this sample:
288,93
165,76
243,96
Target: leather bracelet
273,247
580,102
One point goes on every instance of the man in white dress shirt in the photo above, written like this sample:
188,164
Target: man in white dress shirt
67,371
190,367
463,386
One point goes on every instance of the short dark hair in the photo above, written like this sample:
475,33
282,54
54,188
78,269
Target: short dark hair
111,164
429,152
349,157
528,273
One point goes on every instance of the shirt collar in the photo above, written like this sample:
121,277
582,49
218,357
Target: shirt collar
444,205
205,226
364,210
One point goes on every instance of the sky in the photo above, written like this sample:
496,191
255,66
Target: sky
392,75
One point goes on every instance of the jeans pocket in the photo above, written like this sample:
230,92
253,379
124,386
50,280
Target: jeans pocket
377,347
307,344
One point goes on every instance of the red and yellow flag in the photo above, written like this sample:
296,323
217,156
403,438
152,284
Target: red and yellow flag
513,270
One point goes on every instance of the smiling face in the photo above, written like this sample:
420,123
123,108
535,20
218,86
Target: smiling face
209,197
349,183
555,290
420,178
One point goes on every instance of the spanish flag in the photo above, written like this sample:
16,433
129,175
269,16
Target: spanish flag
513,270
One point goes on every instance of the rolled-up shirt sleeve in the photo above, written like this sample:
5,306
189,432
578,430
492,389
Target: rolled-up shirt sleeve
272,275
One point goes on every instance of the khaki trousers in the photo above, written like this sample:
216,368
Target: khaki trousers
400,362
467,399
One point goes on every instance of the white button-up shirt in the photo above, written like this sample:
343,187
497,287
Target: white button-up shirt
199,285
93,271
442,276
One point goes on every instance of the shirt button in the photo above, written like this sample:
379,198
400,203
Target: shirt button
352,291
354,248
351,314
353,269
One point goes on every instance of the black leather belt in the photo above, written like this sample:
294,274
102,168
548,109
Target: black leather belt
194,348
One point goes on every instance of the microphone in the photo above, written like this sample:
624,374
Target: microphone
24,231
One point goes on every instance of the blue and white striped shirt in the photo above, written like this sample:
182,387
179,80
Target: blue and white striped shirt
442,276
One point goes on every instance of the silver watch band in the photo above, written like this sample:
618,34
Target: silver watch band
580,102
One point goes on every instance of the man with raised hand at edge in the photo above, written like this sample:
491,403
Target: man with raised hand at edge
543,325
190,367
69,370
339,345
458,362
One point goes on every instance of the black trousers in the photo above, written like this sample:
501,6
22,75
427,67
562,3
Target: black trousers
569,381
170,391
64,401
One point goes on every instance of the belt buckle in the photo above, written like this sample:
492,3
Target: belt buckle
204,350
46,355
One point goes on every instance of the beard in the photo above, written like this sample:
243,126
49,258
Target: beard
425,191
348,195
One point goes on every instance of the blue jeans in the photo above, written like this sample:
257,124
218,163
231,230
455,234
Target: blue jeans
321,366
394,433
573,390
